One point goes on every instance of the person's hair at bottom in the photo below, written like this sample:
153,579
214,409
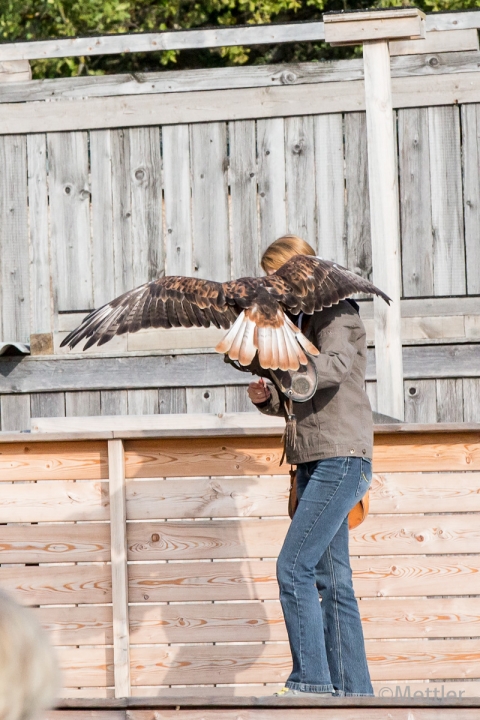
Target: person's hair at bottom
29,677
282,249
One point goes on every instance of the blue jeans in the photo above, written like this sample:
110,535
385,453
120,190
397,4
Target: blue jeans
326,638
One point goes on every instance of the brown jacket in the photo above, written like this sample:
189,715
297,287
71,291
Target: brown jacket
337,421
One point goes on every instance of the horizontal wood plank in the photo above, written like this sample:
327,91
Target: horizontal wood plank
57,585
256,580
55,500
175,458
62,543
403,659
91,666
87,625
405,492
302,713
53,461
427,453
263,621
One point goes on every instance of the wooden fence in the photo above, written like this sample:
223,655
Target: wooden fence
150,559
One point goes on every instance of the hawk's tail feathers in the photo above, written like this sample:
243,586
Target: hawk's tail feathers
279,347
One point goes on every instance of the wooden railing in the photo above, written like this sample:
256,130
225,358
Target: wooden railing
151,560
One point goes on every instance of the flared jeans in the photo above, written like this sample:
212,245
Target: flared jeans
315,580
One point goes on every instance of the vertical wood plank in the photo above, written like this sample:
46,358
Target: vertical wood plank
243,192
104,288
70,219
471,163
118,534
40,269
142,402
330,187
415,202
178,201
211,242
471,400
359,247
237,400
14,266
172,400
122,211
82,404
300,177
114,402
450,400
385,227
420,401
271,180
205,400
447,203
47,404
15,412
147,225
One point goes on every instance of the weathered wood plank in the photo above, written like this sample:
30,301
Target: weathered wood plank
14,271
256,579
271,180
446,196
471,399
69,194
359,248
40,270
53,461
78,373
449,400
439,41
330,187
242,104
56,543
118,528
104,288
84,403
88,625
205,400
300,174
177,195
15,412
302,713
243,198
172,400
173,458
146,189
51,501
114,402
122,211
420,401
47,404
406,659
208,143
471,160
58,584
237,400
142,402
415,202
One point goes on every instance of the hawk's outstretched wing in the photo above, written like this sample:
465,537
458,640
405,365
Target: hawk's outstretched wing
253,309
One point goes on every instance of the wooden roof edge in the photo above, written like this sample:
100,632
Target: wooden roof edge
199,426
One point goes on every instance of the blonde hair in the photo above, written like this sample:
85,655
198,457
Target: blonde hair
29,678
282,249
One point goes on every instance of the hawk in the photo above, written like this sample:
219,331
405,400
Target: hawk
254,311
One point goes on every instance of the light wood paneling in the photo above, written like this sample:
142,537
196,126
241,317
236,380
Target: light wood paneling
359,246
243,192
91,666
58,584
87,625
104,287
15,412
56,543
427,453
173,458
300,174
53,461
471,160
178,219
271,180
50,501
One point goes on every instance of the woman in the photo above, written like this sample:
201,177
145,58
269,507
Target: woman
333,455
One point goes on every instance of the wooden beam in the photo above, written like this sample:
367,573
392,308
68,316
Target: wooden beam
354,28
15,71
170,40
437,42
118,532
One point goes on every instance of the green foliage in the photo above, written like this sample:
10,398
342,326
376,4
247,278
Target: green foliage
42,19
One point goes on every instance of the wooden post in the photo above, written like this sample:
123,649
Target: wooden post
374,29
118,532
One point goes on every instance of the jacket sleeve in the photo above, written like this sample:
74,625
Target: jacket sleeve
334,338
273,405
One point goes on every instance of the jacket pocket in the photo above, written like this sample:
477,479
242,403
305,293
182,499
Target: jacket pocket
365,479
